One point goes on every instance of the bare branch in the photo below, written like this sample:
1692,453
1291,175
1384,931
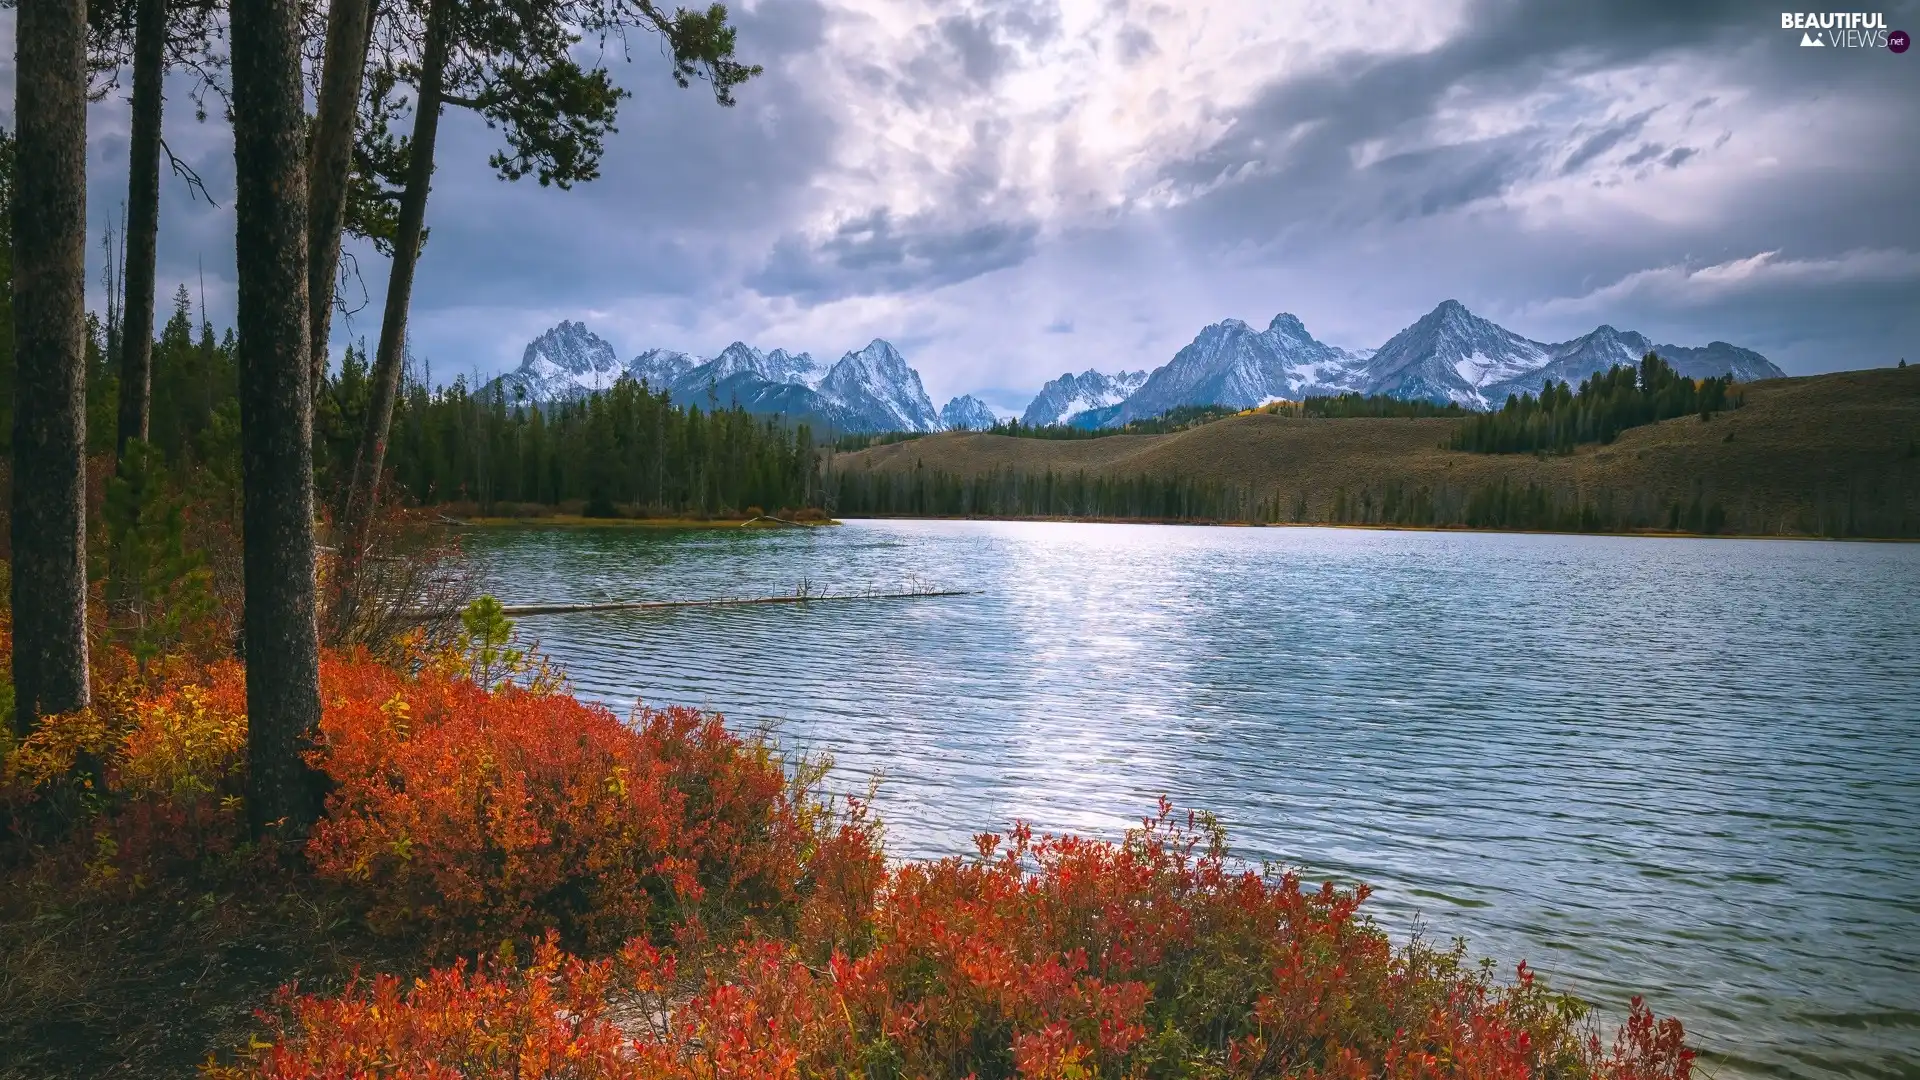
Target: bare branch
184,171
350,270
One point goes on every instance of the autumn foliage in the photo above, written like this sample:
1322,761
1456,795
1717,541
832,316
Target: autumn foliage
1042,958
654,896
549,1019
470,816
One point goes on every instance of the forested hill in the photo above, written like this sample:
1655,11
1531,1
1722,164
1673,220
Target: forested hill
1823,455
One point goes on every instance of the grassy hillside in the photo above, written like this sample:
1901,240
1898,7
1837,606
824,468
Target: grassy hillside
1822,455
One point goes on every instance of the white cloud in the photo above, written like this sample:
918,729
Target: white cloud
1092,99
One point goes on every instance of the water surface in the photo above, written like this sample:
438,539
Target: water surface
1672,766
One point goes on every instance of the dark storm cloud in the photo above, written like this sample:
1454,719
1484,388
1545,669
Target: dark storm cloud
1679,154
1433,181
1647,152
1506,48
874,254
1604,140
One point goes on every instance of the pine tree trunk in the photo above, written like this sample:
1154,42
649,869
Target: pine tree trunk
143,221
364,496
276,416
330,164
49,309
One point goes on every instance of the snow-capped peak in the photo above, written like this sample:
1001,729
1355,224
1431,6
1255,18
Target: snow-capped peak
1451,354
1060,400
734,359
967,413
1230,363
877,383
801,368
567,361
661,368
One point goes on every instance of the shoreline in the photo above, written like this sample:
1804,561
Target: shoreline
581,521
1383,527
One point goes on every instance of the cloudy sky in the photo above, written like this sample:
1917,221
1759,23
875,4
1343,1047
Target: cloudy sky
1008,189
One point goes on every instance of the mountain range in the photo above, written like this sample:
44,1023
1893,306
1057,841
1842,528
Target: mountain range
870,389
1449,354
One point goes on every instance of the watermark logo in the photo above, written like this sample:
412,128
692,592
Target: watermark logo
1845,30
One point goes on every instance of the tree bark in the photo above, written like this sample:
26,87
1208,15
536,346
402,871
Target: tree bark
330,164
143,221
49,309
364,496
276,417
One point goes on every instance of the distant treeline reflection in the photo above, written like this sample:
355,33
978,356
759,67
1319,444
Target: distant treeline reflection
1009,493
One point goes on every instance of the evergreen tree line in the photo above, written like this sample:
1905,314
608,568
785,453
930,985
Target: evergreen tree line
622,451
1506,505
1863,506
1501,504
1011,493
1605,405
1178,418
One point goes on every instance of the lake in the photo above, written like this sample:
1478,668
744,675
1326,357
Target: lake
1680,767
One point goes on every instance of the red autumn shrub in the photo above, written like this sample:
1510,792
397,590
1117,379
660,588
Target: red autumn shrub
1065,957
1045,958
470,816
548,1020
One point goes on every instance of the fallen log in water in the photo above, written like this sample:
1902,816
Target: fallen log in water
517,610
798,598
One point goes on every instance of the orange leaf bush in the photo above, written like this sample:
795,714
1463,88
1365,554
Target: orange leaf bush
1046,959
155,768
459,815
471,816
458,1023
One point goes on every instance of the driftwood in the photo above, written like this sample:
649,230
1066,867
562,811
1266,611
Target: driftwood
645,605
516,610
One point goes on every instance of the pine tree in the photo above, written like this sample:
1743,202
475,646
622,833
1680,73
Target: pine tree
276,416
50,354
